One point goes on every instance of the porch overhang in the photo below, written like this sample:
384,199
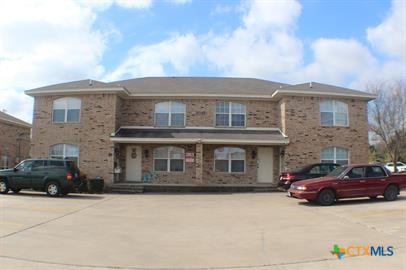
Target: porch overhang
248,136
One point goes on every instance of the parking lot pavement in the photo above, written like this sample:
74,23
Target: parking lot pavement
195,231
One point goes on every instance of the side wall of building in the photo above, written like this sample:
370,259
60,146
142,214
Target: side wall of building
92,135
301,123
14,143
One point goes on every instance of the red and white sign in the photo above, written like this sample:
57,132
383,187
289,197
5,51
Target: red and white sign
190,157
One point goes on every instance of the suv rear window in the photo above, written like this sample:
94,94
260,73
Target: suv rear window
71,166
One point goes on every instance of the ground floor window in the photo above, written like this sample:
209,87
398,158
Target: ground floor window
169,159
5,162
65,151
229,159
335,155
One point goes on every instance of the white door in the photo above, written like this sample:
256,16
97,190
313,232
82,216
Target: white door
133,164
265,164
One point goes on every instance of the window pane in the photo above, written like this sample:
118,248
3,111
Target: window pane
177,119
326,106
222,107
327,161
161,152
326,118
327,153
55,163
237,165
73,115
58,116
341,153
238,120
222,120
162,107
341,107
221,153
56,150
161,165
71,150
176,153
341,119
176,165
237,153
221,165
237,108
178,107
161,119
60,104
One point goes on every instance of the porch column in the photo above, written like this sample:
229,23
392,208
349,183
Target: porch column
199,163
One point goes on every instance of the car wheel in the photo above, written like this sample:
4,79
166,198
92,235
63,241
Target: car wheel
52,189
391,193
326,197
16,190
4,188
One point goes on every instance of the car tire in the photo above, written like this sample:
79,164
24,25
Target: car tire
16,190
391,193
52,189
4,188
326,197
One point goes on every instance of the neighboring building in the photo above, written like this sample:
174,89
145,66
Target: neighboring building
14,140
198,130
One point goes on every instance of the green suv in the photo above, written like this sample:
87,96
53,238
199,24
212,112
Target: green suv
55,176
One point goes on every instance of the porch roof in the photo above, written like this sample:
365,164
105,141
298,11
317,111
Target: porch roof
248,136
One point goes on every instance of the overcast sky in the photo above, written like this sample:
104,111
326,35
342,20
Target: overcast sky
343,42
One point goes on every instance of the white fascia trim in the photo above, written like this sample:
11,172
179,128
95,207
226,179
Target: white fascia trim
278,93
16,123
78,91
194,141
202,128
217,96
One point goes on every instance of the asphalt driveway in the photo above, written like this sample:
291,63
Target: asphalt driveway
195,231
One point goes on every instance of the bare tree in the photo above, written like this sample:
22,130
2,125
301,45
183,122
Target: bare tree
388,117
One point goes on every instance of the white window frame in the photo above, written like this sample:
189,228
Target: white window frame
335,154
64,151
230,114
334,111
66,107
230,160
168,159
169,124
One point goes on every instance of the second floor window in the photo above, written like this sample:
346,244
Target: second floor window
333,113
230,114
66,110
170,113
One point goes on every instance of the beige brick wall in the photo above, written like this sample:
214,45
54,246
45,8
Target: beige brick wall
97,122
209,175
199,112
14,142
307,137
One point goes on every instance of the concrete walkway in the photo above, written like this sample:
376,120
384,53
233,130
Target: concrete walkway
195,231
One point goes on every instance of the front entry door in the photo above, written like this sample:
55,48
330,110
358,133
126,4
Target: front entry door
265,164
133,164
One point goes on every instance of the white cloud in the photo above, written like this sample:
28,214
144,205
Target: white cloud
138,4
337,60
390,36
180,53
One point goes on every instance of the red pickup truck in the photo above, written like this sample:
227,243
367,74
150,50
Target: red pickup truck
350,181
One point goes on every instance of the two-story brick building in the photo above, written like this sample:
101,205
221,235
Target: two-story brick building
199,131
14,140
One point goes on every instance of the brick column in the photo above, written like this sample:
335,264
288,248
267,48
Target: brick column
199,163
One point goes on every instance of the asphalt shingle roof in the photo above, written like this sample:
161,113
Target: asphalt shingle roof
11,119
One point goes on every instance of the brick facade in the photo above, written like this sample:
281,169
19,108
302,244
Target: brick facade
14,143
102,114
